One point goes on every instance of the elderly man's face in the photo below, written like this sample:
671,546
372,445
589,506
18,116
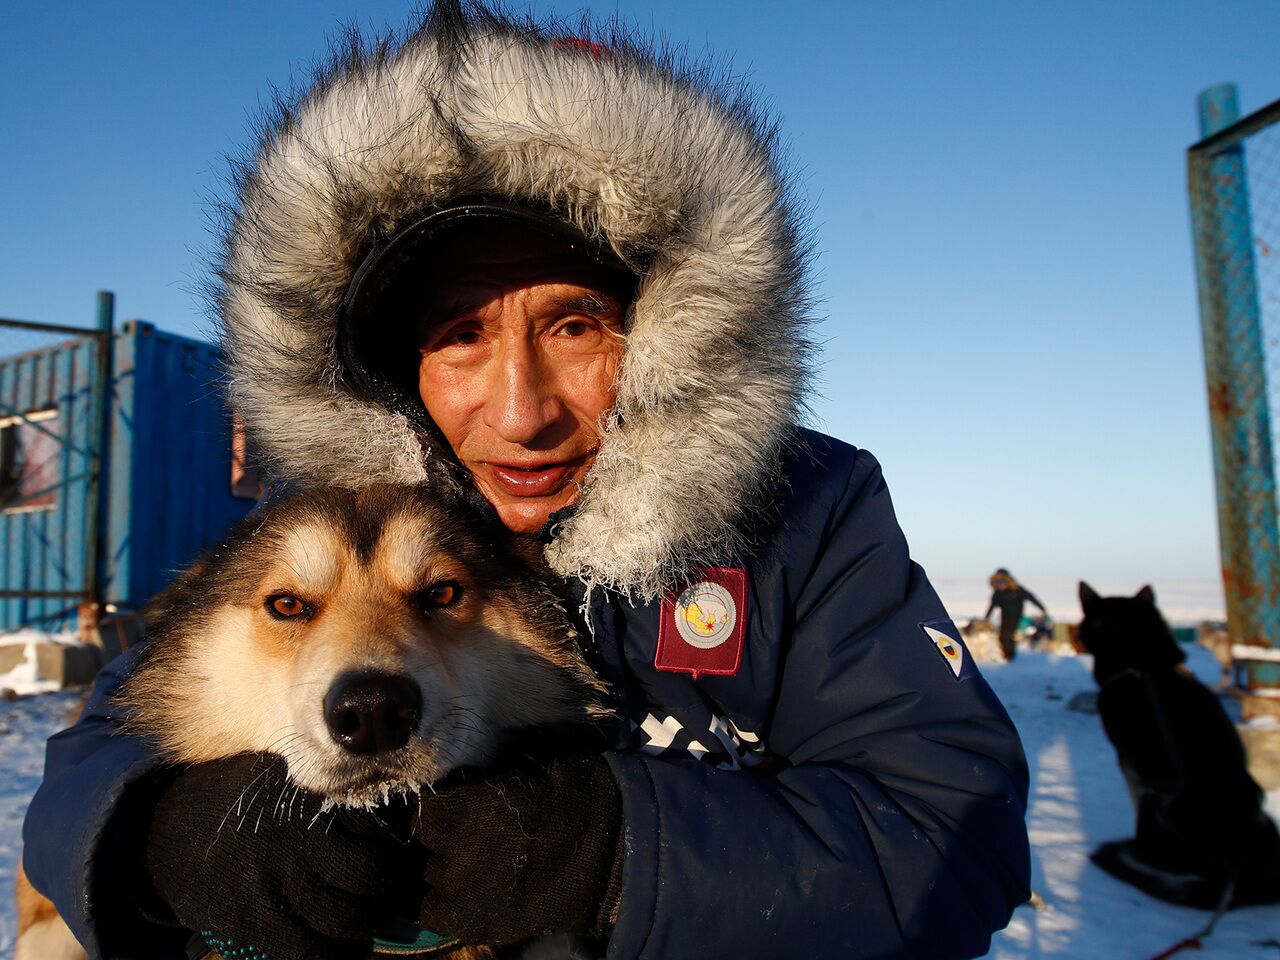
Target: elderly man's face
520,346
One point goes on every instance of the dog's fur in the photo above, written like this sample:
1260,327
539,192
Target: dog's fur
42,933
1202,838
220,675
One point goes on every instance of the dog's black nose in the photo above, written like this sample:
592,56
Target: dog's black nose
372,712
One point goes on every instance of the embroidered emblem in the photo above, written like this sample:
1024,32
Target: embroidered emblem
947,644
705,615
703,629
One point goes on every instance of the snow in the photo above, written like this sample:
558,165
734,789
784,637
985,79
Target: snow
25,677
1078,800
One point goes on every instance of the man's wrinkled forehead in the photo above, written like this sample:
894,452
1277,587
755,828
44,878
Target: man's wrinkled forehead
473,264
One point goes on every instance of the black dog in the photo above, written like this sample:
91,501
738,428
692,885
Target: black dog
1202,839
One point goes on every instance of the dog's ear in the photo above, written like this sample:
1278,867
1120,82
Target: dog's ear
1087,596
1146,595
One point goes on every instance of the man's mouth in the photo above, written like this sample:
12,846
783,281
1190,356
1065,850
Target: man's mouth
532,480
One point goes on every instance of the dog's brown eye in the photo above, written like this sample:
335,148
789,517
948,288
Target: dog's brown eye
285,606
443,594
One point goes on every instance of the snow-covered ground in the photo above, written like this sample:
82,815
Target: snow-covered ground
1078,800
25,677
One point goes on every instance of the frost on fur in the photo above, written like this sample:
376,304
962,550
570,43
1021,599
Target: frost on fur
666,160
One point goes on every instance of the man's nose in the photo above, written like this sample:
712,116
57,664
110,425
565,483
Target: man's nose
522,399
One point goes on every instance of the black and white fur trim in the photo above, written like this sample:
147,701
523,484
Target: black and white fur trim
674,166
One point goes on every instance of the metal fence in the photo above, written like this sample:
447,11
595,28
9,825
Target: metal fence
54,381
1234,178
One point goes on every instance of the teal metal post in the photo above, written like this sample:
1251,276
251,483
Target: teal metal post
1235,368
95,499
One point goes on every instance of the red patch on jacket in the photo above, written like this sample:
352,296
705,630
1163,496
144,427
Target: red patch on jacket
703,629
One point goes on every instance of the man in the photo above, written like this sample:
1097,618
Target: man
1011,597
565,278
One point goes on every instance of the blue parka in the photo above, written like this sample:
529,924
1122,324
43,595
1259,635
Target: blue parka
848,791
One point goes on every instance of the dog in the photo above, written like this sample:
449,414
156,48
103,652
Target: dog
1202,839
377,640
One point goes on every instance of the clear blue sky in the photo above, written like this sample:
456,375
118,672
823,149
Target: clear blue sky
1000,205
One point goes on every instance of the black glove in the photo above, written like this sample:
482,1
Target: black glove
524,853
248,862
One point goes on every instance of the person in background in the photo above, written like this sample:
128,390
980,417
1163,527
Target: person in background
1011,597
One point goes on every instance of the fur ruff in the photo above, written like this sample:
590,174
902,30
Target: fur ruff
671,164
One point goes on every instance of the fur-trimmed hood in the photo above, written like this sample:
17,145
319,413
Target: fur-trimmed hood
672,166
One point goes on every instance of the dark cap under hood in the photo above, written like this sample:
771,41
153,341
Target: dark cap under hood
655,159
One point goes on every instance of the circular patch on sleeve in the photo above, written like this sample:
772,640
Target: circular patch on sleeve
705,614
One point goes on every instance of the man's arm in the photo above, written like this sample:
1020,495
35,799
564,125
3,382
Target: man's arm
897,827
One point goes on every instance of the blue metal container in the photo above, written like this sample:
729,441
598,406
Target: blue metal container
168,494
42,545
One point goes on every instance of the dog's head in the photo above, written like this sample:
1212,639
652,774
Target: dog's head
376,639
1126,633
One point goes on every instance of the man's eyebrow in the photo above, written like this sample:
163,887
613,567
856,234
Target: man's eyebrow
436,315
591,303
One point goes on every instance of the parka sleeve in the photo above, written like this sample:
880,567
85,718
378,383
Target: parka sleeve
895,825
1032,598
87,770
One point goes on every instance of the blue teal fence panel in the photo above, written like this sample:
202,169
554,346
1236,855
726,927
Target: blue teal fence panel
1234,180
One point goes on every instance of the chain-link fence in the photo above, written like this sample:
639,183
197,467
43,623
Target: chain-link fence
1234,178
53,405
1262,165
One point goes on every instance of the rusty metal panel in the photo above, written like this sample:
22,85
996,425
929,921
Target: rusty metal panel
1222,174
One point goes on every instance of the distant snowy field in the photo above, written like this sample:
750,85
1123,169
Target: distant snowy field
1183,602
1078,800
